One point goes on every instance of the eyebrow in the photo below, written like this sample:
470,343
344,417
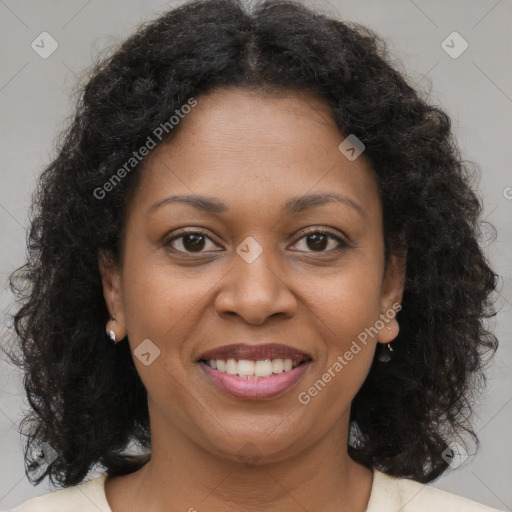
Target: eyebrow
293,206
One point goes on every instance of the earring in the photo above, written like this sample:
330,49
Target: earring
111,333
385,353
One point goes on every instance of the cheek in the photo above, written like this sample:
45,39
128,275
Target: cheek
167,306
348,300
335,385
346,308
344,314
158,298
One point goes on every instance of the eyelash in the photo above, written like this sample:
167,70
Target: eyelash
342,243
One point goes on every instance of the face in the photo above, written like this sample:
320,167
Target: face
264,263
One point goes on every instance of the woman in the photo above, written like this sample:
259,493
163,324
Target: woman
254,277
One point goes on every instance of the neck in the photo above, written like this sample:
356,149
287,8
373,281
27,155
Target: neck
187,476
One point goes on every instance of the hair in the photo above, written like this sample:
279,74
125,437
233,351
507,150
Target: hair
86,398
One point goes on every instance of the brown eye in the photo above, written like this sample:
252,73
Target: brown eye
194,242
318,241
191,241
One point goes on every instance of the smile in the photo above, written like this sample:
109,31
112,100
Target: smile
252,369
253,380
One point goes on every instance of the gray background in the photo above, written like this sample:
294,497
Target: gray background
475,89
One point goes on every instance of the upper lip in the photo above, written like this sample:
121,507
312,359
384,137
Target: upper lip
256,352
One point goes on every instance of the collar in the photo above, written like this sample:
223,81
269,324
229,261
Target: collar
385,494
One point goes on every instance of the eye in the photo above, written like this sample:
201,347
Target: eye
190,242
195,241
318,240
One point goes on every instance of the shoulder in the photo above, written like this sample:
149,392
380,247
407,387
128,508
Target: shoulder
390,494
85,497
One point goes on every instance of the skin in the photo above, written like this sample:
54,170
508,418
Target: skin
253,152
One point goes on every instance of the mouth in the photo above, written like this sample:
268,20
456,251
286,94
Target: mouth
254,372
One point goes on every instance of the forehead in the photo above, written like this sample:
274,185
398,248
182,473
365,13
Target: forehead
242,145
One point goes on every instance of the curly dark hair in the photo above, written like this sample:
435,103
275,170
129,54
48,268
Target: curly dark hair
86,398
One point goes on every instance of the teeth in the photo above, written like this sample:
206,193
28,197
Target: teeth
252,369
263,368
231,367
246,368
277,365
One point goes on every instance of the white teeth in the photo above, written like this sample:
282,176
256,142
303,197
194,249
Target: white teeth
246,368
231,367
277,365
252,369
263,368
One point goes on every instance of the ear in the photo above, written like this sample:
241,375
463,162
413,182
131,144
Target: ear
391,296
112,292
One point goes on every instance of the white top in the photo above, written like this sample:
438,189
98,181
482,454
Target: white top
388,494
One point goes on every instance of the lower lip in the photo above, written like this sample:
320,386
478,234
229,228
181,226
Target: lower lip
254,389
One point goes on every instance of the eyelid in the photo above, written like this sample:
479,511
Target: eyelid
325,230
184,232
341,240
343,243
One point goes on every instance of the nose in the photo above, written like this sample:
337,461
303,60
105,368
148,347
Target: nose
256,291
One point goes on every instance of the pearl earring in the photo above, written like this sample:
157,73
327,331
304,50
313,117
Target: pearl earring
111,333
